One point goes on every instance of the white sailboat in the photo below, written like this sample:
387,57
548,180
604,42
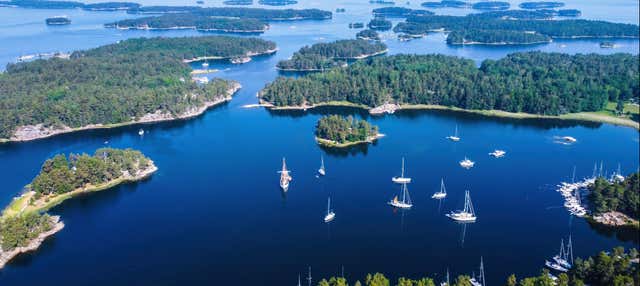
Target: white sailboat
466,163
406,200
467,214
454,137
141,132
285,178
442,193
321,171
498,153
401,179
330,214
555,266
480,281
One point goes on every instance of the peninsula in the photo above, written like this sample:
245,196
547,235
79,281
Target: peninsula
369,35
616,202
24,225
323,56
498,88
134,81
338,131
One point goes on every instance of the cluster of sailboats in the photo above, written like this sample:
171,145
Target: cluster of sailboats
562,261
466,162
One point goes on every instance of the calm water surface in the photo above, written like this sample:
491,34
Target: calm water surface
213,214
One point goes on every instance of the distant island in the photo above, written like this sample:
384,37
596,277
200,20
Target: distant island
59,20
491,5
238,2
111,6
277,2
239,12
399,12
385,2
134,81
356,25
541,5
24,225
616,202
380,24
339,131
368,35
188,21
569,13
323,56
446,4
505,87
497,28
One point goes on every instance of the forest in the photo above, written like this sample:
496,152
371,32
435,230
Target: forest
277,2
624,197
19,230
399,12
380,24
114,83
185,20
237,2
368,35
532,82
541,5
62,174
495,37
446,4
342,129
239,12
111,6
491,5
419,25
324,56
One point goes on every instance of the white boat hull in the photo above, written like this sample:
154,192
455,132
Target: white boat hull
453,138
463,217
400,180
400,205
321,172
329,217
438,196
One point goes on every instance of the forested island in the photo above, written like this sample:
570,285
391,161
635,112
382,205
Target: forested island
24,225
616,202
446,4
136,80
495,37
277,2
339,131
111,6
399,12
541,5
189,21
380,24
239,12
238,2
493,25
60,20
323,56
543,84
491,5
368,35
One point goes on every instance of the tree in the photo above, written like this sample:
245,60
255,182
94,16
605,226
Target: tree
512,280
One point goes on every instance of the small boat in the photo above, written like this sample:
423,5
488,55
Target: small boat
480,281
440,194
406,200
555,266
321,171
454,137
141,132
205,65
466,163
330,214
285,178
465,215
498,153
401,179
569,139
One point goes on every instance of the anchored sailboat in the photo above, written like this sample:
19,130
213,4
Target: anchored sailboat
406,200
285,178
498,153
141,132
480,281
321,171
467,214
401,179
466,163
442,193
454,137
330,214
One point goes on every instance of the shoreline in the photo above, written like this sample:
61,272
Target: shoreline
6,257
155,117
248,54
581,116
334,144
143,28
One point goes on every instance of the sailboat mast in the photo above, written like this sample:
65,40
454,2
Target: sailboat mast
402,167
570,250
328,205
573,178
309,278
456,132
482,272
404,193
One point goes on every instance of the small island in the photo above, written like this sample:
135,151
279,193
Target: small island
399,12
495,37
277,2
616,202
57,21
380,24
181,21
339,131
356,25
446,4
238,2
24,225
569,13
491,5
111,6
541,5
238,12
369,35
324,56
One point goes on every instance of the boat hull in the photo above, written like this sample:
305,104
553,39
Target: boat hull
329,217
399,180
400,205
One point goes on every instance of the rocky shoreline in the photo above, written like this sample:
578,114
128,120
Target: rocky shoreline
331,143
39,131
6,256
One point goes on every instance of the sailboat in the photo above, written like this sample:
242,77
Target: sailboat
467,214
440,194
446,283
454,137
480,281
330,214
141,132
498,153
401,179
466,163
285,178
406,200
321,171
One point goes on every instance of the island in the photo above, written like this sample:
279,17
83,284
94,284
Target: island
491,5
501,22
323,56
339,131
541,5
446,4
180,21
59,20
277,2
111,6
370,35
496,37
380,24
239,12
133,81
505,87
356,25
384,2
399,12
616,202
569,13
24,225
238,2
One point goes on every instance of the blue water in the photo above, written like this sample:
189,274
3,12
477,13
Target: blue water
213,214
